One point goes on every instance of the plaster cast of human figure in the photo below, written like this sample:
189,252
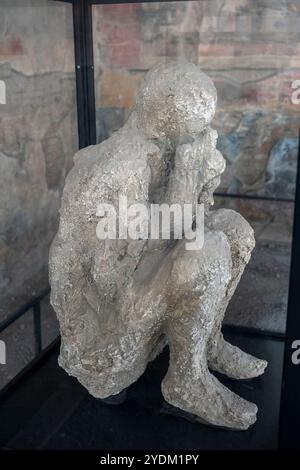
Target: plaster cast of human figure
120,301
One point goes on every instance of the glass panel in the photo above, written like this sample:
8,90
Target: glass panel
260,300
38,137
19,346
251,51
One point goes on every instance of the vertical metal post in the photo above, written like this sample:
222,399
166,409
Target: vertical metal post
84,64
37,328
290,398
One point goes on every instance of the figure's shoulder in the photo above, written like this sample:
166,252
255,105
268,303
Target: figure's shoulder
123,150
103,171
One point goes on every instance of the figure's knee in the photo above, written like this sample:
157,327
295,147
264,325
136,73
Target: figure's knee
195,270
197,285
239,232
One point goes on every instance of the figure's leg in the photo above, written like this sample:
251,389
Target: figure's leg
107,364
223,356
197,286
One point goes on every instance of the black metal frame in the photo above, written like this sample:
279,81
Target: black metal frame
35,306
290,403
83,40
39,352
84,66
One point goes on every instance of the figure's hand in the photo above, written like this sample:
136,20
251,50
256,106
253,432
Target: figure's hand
195,164
184,176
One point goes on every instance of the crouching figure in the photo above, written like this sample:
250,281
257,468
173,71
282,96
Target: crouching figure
120,300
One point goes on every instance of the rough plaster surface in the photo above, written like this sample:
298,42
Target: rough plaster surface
120,301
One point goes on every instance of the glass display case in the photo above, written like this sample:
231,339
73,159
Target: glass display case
71,71
38,137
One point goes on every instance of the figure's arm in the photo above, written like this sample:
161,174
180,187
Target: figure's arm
115,260
192,168
185,178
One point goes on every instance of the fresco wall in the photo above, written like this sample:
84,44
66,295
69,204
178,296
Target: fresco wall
251,49
38,132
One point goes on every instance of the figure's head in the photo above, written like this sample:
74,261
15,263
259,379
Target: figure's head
175,100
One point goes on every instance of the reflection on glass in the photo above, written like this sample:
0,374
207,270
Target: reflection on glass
250,50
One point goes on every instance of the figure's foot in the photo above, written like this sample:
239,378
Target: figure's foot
210,401
233,362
